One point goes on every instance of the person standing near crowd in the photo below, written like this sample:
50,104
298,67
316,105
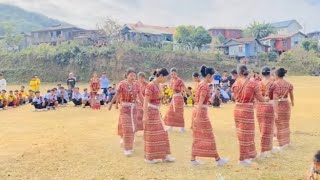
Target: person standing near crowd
143,84
232,79
3,83
33,84
266,113
245,91
174,116
156,140
71,81
104,81
216,79
94,87
128,91
203,138
38,83
283,91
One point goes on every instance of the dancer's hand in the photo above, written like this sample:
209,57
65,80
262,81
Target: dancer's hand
110,107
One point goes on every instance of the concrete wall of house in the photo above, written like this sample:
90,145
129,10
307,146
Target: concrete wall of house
296,40
233,34
292,28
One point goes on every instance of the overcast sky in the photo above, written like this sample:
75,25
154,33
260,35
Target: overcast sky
208,13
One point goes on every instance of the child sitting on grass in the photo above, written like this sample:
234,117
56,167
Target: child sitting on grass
217,98
38,102
11,99
76,97
52,101
30,96
18,100
3,100
314,173
85,98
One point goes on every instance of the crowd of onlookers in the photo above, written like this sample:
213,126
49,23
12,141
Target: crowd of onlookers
55,97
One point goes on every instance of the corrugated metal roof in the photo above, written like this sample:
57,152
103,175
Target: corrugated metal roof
140,27
282,24
58,27
282,36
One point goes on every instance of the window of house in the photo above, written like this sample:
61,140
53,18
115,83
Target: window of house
284,44
51,34
58,33
240,49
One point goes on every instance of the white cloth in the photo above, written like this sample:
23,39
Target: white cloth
76,96
38,100
86,96
3,84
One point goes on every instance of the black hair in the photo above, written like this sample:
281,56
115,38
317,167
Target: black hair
16,91
206,70
162,71
48,91
10,91
142,74
266,71
151,78
4,91
281,72
234,72
129,71
317,157
1,74
195,74
243,70
189,88
37,92
173,70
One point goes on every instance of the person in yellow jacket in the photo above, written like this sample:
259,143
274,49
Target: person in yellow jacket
3,100
11,99
38,83
33,84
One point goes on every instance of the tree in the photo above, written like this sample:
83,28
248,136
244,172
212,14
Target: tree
259,30
309,44
110,29
11,40
192,37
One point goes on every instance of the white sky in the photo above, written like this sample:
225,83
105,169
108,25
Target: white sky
208,13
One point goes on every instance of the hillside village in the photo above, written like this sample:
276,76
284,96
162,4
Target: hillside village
288,35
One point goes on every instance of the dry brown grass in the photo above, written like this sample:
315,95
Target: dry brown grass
76,143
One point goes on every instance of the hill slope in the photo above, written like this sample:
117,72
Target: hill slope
25,21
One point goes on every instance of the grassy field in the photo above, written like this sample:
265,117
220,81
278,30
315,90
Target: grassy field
76,143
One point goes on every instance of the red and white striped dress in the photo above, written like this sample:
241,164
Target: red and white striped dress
265,115
204,144
244,93
174,116
128,112
156,141
283,89
140,108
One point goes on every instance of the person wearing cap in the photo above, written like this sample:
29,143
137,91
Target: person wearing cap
3,83
265,112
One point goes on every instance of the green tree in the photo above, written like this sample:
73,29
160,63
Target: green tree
11,40
192,37
110,29
309,44
259,30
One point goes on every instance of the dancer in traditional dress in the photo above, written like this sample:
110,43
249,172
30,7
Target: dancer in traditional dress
265,112
94,87
203,138
245,91
156,141
174,116
143,84
128,91
196,80
282,92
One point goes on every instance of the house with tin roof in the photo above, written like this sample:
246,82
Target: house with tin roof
227,33
147,33
248,48
287,27
282,42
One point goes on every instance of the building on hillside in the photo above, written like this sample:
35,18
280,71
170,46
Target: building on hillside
54,34
248,48
147,33
227,33
90,37
287,27
314,35
26,41
281,43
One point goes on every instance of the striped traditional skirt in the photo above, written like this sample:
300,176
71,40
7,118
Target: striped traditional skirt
244,119
174,116
139,117
127,124
193,116
265,116
156,141
204,144
283,122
